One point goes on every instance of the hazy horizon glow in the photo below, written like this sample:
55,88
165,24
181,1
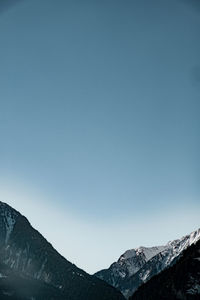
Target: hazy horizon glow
94,245
99,122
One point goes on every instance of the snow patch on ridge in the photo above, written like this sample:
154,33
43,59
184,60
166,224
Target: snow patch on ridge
9,219
10,222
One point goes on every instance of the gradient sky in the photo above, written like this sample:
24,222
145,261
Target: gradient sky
99,122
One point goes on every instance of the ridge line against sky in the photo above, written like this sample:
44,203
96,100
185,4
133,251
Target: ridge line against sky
99,121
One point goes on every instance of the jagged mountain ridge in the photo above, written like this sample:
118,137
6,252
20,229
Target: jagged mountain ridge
137,266
27,255
178,282
128,264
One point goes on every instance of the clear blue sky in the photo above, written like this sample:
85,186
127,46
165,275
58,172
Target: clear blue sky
99,122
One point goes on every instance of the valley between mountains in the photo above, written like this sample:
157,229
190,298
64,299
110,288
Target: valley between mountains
30,268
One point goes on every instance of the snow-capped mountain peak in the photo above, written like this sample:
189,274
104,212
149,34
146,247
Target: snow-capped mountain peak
136,266
146,252
150,252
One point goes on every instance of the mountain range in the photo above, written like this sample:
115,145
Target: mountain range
178,282
30,268
137,266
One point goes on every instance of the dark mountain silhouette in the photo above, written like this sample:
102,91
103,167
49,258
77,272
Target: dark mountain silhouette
30,268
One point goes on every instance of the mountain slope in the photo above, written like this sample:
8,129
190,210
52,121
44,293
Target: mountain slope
137,266
178,282
24,251
15,285
128,264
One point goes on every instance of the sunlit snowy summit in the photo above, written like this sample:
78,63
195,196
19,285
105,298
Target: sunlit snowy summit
137,266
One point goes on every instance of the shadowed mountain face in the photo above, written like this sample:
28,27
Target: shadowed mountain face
179,282
31,267
15,285
137,266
